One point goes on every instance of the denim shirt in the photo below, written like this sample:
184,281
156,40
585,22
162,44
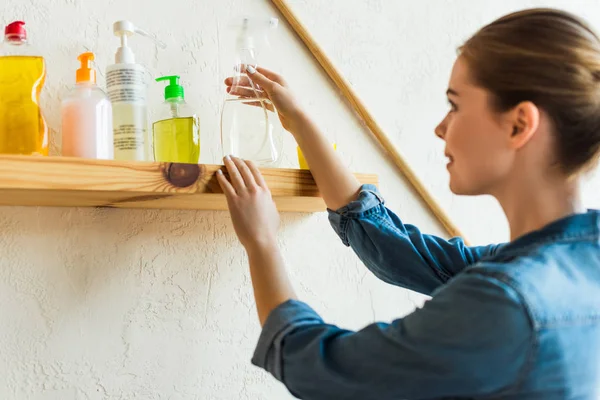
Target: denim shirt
519,320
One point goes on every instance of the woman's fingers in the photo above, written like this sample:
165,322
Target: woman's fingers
272,76
246,92
264,78
225,185
258,178
267,104
245,172
234,175
243,175
243,80
238,81
258,78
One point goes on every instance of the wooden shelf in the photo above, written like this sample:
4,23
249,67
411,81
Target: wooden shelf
73,182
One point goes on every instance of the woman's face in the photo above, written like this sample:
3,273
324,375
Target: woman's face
476,137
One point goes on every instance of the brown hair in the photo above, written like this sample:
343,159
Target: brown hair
551,58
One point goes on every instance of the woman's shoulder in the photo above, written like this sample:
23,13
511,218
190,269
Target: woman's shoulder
558,280
567,243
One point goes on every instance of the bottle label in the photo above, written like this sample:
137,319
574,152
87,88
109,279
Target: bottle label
124,95
128,137
126,85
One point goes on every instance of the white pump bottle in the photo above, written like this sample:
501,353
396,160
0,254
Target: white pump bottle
126,85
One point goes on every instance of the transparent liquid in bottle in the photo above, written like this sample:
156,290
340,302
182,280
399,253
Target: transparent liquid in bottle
248,131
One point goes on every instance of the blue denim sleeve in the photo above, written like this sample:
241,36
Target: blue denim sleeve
399,253
473,338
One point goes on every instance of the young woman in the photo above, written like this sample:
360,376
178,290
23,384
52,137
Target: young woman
520,320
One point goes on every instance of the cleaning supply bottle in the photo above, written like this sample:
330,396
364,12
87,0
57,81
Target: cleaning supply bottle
126,86
23,129
250,126
177,132
87,116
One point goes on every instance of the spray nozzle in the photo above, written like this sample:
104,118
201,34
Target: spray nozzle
253,23
124,29
86,72
173,90
249,28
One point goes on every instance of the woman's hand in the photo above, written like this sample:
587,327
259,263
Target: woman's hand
253,212
337,184
256,220
270,86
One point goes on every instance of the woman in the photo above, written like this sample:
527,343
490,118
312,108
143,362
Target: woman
519,320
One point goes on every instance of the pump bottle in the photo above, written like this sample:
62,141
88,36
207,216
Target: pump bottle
177,133
126,85
87,116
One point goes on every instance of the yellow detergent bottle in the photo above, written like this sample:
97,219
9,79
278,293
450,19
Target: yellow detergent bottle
177,132
23,129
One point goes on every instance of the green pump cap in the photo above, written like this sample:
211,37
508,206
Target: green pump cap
173,90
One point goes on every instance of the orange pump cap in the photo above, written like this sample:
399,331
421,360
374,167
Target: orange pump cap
86,73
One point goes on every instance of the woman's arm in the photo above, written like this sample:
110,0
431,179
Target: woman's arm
270,281
399,253
472,340
396,252
256,220
336,183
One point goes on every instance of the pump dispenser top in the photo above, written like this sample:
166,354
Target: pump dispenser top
125,29
173,90
86,73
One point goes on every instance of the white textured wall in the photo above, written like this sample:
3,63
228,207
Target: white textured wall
120,304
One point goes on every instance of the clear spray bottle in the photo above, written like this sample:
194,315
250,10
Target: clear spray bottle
250,126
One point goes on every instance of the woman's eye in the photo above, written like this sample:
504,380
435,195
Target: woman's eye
453,107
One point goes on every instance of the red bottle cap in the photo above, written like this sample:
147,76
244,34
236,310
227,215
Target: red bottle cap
15,31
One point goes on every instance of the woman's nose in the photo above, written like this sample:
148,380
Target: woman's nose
440,130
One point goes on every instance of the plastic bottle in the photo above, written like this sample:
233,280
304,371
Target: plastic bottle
250,127
23,129
87,116
177,132
126,86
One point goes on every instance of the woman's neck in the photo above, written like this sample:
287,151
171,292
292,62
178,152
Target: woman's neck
531,204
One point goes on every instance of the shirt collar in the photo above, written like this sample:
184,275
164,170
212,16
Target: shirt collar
576,226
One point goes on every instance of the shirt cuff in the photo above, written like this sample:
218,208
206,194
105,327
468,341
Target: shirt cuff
367,203
283,320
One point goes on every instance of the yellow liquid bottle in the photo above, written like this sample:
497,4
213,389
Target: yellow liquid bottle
177,137
177,140
23,129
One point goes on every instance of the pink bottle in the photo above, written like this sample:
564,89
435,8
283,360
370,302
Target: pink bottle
87,117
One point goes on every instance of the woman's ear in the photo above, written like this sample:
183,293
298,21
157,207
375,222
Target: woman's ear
525,121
